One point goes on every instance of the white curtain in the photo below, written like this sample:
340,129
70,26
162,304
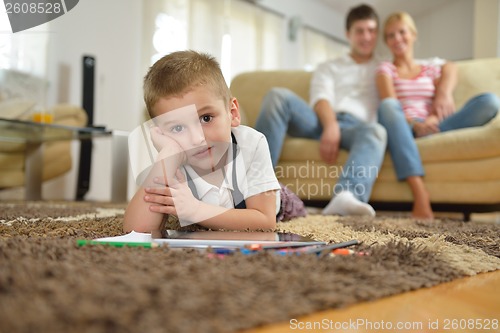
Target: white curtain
242,36
256,38
23,63
318,48
25,51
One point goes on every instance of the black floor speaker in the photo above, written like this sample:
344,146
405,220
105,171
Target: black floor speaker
83,183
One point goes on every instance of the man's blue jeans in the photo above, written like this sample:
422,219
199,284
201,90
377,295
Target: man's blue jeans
284,113
400,141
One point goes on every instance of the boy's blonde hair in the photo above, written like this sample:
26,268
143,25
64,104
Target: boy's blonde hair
177,73
401,17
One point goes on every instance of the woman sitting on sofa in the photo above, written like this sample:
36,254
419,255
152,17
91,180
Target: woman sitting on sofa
410,108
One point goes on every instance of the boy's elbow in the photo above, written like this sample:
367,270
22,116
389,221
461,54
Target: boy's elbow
127,226
139,228
130,224
128,220
270,223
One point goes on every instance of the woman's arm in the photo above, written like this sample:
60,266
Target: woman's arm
443,104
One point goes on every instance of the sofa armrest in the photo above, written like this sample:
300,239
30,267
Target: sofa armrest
475,77
64,114
477,142
251,87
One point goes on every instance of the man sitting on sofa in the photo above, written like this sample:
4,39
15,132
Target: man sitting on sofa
344,102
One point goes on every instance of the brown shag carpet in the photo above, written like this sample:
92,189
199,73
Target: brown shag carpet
48,284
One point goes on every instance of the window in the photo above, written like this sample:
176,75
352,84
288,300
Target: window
23,63
23,51
319,47
242,36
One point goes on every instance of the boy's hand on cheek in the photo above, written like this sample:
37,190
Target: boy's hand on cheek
170,153
159,139
165,145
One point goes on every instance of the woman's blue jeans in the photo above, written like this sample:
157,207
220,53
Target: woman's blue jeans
284,113
478,111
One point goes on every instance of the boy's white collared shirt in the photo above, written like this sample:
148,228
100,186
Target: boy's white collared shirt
254,171
211,194
220,196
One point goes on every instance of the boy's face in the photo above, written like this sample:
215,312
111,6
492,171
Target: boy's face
203,132
363,37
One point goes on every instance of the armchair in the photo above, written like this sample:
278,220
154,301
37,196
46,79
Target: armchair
18,95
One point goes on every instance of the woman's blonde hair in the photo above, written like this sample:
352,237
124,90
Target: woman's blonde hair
179,72
401,17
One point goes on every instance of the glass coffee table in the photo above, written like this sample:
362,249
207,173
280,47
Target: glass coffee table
33,135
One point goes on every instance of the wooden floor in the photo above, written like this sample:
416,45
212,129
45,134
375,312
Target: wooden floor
458,306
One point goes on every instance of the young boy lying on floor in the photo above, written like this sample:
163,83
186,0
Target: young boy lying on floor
210,169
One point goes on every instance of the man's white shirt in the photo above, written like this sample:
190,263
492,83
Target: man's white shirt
348,87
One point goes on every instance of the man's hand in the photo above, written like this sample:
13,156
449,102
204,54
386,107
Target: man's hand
443,105
330,143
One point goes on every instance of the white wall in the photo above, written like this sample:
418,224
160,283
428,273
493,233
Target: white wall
487,28
110,30
312,13
447,31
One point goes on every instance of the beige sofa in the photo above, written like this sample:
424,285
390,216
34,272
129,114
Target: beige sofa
462,167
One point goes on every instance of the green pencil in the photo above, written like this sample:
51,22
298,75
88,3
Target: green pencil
82,242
